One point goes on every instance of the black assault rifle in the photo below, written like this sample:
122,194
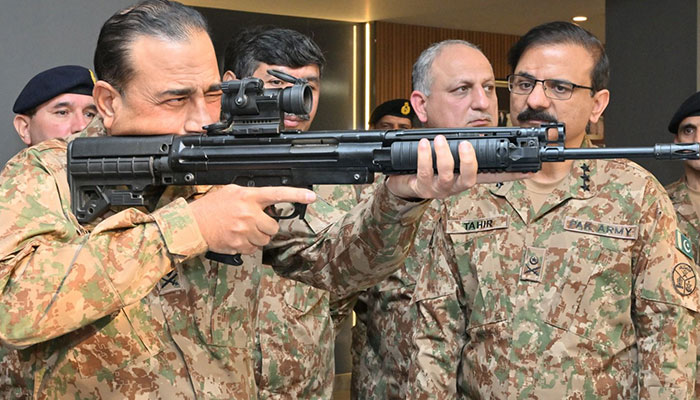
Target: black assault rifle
250,148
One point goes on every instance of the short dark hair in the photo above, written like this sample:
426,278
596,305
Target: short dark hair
168,20
562,32
270,45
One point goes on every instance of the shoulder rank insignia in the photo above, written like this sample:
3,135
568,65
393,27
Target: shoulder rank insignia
684,244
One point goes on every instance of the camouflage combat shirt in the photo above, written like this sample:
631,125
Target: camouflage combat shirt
381,337
128,308
587,297
689,226
295,335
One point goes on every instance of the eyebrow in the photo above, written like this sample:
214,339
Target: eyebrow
177,92
62,104
526,75
308,78
189,91
214,87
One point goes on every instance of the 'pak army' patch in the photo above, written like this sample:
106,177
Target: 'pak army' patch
601,228
684,244
684,279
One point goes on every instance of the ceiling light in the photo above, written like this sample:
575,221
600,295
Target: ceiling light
580,18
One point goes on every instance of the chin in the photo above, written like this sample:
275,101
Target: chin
694,165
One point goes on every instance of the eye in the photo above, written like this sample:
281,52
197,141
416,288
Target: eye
90,114
61,112
276,83
176,100
213,96
524,84
689,130
560,87
489,88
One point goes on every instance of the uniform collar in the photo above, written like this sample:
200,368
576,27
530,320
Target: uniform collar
94,129
583,182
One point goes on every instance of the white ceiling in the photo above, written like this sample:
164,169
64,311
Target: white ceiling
500,16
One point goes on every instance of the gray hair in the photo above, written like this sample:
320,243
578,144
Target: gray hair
422,77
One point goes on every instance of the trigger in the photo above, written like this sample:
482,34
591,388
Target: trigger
299,210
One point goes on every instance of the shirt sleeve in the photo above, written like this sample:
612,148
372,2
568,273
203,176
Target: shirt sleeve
56,276
355,252
666,303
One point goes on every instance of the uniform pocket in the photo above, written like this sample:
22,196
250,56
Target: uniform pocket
591,291
305,299
125,338
477,253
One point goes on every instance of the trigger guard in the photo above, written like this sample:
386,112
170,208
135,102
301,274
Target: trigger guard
299,211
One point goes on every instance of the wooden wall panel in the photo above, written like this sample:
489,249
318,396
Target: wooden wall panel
397,46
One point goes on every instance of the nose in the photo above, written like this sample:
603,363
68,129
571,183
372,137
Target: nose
199,114
480,100
537,100
79,122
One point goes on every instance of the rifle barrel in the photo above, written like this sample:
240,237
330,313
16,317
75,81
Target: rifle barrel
666,151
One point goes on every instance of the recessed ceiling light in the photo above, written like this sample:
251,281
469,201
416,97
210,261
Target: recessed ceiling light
580,18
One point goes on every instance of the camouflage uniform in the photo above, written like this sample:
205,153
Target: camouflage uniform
585,298
295,339
130,309
688,220
688,225
381,337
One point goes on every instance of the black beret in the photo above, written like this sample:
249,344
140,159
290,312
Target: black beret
51,83
689,108
397,107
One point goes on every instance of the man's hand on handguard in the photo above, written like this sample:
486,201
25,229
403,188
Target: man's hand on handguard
232,218
426,185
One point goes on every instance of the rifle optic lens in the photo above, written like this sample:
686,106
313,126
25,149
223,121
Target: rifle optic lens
296,99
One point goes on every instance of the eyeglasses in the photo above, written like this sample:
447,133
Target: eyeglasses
553,88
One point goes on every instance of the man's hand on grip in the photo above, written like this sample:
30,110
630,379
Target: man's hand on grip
232,218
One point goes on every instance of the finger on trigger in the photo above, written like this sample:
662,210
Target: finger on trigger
268,196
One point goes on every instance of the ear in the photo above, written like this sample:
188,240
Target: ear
21,123
600,102
418,101
107,100
229,76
